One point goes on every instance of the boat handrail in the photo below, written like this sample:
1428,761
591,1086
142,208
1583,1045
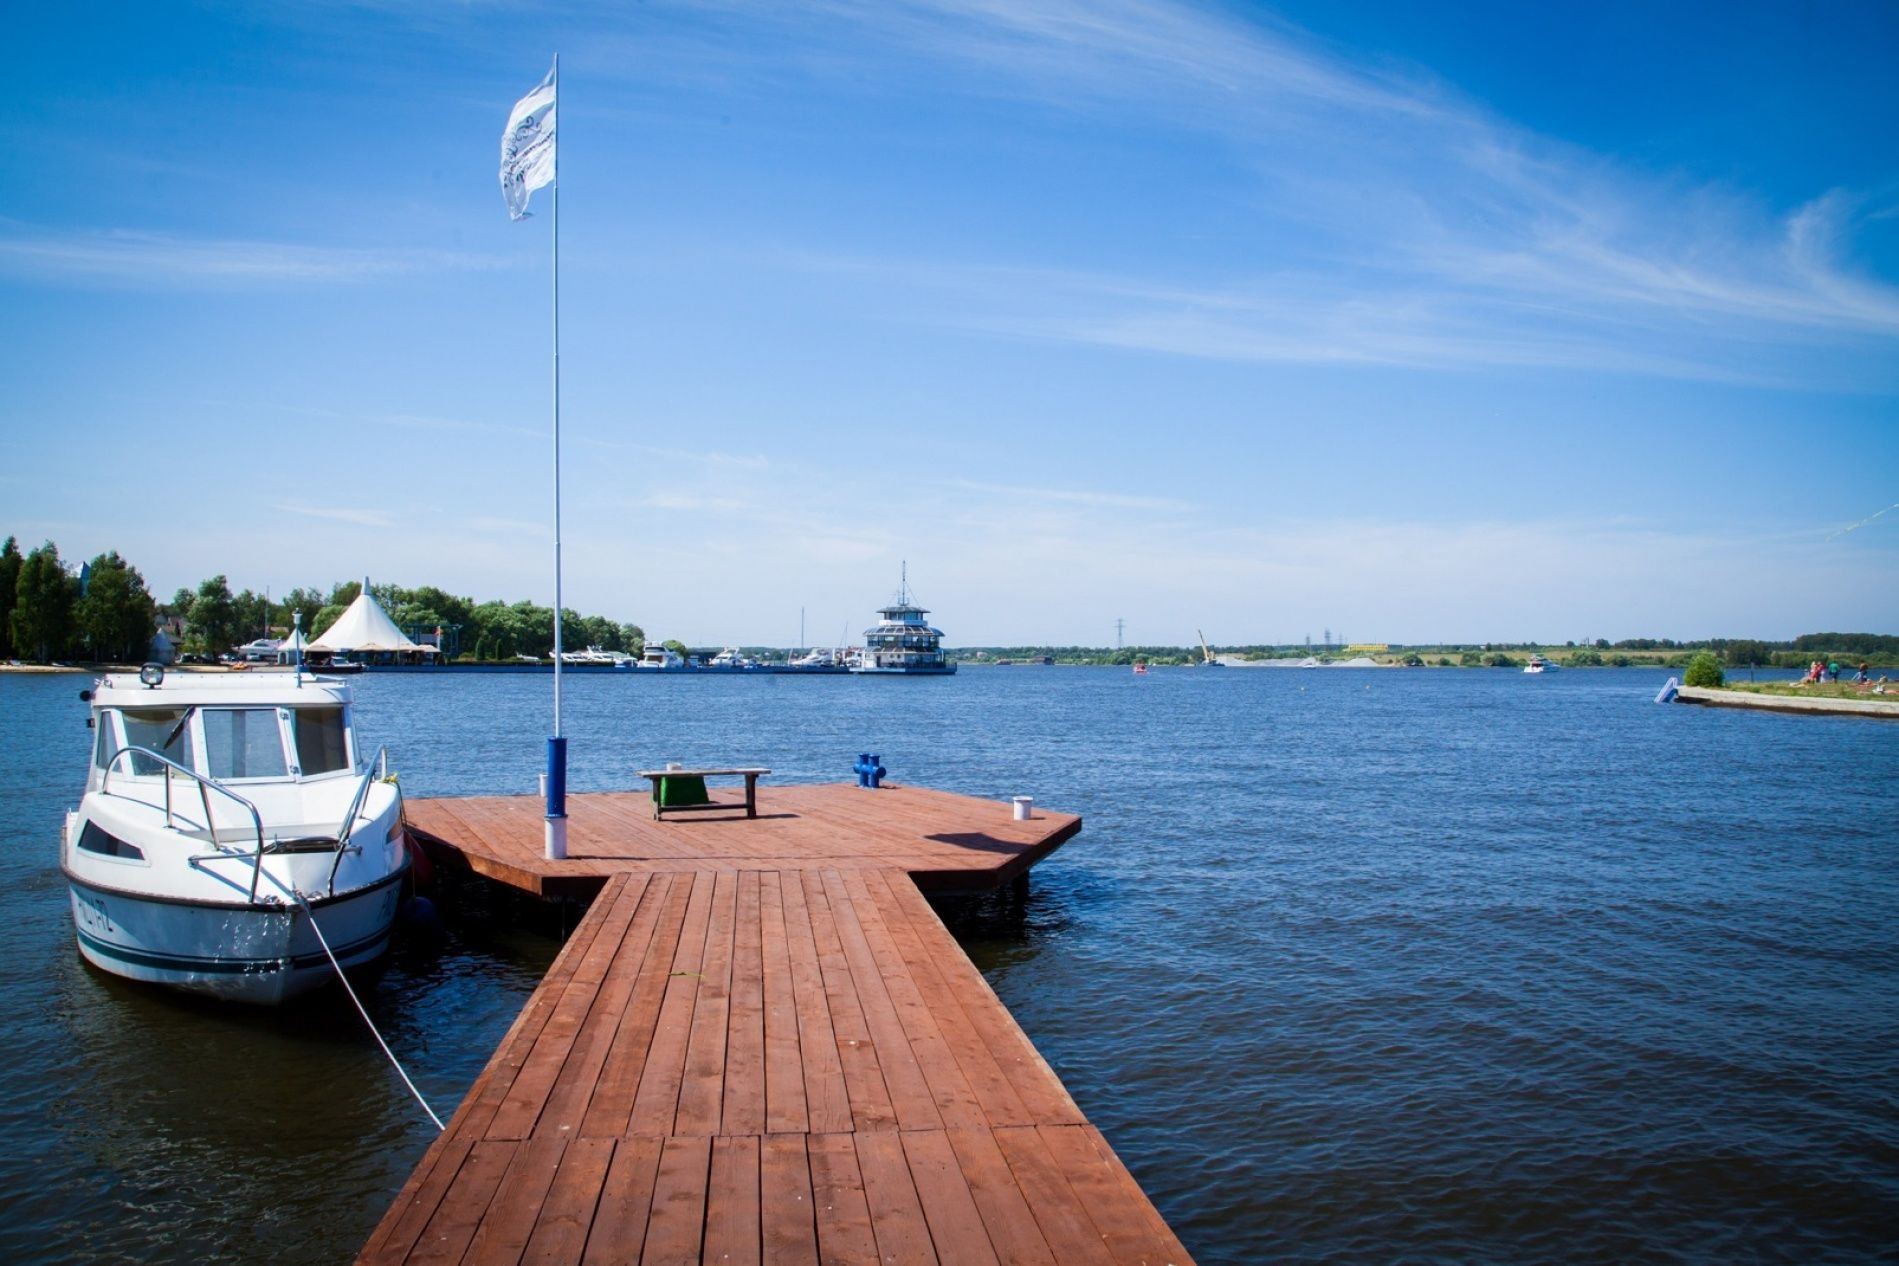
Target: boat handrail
205,787
348,827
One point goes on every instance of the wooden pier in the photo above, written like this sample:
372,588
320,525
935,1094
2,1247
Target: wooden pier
762,1045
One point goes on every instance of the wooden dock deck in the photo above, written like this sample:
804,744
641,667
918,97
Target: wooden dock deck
944,842
748,1058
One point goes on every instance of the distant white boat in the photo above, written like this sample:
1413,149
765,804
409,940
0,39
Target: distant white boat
593,656
657,658
1538,664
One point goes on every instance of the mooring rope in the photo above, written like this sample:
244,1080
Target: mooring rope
394,1062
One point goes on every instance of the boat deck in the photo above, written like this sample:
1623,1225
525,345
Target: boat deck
748,1057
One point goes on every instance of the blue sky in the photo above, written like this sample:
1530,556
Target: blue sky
1472,322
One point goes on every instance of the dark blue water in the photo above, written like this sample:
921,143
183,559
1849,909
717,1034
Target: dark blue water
1348,965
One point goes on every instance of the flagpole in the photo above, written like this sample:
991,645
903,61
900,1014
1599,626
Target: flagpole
556,745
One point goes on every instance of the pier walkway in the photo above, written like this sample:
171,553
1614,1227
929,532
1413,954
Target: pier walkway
749,1056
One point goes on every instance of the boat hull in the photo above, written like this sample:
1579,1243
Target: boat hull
238,952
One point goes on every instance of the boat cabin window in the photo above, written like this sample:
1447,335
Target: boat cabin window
162,730
322,741
243,743
94,840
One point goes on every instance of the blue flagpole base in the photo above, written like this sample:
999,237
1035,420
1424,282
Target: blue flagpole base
556,842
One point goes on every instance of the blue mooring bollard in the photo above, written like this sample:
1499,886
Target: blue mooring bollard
870,770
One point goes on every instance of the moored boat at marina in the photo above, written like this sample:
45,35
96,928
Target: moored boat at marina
902,643
231,827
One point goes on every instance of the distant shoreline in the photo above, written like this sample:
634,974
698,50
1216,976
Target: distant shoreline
1877,706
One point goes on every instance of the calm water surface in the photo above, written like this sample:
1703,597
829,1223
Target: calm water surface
1348,965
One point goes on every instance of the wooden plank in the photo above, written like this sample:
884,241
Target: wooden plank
447,1235
1005,1211
949,1089
870,1106
657,1100
567,1101
910,1090
788,1230
1039,1090
783,1081
1132,1228
618,1233
896,1215
676,1230
1065,1225
744,1090
560,1234
491,1088
732,1202
956,1226
611,1104
702,1090
509,1222
827,1099
845,1237
521,1107
395,1236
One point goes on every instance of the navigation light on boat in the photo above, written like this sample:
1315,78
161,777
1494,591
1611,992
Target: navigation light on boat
151,675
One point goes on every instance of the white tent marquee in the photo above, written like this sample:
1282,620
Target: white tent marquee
364,629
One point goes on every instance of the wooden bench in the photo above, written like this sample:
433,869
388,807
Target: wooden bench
657,778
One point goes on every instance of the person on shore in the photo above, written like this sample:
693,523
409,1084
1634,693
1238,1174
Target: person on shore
1863,676
1813,672
1833,670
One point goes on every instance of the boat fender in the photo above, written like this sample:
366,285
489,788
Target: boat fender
1669,690
419,915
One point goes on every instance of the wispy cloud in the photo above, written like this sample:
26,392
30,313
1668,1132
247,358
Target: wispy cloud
1395,222
340,514
136,258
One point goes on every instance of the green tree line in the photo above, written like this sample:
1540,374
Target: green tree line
104,612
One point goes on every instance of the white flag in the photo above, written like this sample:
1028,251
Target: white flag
527,148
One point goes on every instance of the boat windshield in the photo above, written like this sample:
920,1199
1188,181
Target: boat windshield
322,740
162,730
243,743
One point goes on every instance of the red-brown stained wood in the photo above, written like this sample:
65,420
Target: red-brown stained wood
560,1233
732,1202
762,1045
612,1101
509,1223
783,1081
896,1215
845,1237
827,1100
395,1238
870,1107
744,1110
657,1100
618,1233
701,1090
454,1222
788,1227
527,1094
1064,1223
675,1231
949,1089
910,1094
1005,1210
1132,1229
956,1226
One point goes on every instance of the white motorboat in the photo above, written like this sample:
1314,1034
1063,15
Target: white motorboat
1538,664
594,657
230,829
658,658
